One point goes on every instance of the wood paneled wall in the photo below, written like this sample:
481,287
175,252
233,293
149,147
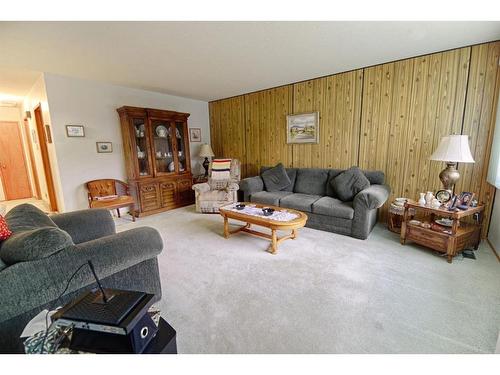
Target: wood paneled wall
388,117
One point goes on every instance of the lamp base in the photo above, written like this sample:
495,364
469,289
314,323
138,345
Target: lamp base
206,164
449,176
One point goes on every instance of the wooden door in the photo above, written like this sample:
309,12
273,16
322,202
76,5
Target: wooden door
14,173
42,141
29,140
149,196
168,192
185,193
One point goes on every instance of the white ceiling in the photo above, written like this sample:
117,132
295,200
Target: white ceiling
213,60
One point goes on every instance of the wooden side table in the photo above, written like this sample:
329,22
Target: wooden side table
199,179
451,241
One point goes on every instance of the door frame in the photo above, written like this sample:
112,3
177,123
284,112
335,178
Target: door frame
42,141
19,135
29,140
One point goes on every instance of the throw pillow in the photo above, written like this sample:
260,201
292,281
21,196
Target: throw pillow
221,169
5,232
276,178
349,183
34,244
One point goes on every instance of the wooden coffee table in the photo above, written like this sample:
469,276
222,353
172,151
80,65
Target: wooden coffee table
298,222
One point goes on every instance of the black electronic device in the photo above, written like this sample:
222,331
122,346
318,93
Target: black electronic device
109,320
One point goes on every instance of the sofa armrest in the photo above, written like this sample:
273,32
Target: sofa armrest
86,225
372,197
251,185
28,285
201,188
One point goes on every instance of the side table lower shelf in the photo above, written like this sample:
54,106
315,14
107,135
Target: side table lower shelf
462,235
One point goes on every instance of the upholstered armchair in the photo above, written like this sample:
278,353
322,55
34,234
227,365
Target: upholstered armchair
217,193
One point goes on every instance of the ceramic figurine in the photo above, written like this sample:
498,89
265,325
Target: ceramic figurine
421,201
428,198
435,203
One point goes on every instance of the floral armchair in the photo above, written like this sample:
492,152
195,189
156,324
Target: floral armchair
216,192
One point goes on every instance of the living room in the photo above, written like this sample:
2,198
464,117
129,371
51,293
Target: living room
178,173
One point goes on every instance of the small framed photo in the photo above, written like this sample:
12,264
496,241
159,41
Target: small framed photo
302,128
75,131
195,134
104,147
465,200
452,204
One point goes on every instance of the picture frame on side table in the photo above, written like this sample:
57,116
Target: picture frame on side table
195,134
75,131
104,147
302,128
464,200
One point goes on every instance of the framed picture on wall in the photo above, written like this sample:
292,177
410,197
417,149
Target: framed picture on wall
75,131
302,128
104,147
195,134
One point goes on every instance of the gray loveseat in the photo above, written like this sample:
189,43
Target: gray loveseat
311,191
39,258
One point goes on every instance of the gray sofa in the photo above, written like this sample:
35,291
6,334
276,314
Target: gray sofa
39,258
311,191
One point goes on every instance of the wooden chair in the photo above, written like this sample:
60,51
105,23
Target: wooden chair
110,194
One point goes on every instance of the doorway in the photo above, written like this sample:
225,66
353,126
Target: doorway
13,167
42,141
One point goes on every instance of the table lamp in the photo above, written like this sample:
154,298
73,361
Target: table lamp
452,149
206,152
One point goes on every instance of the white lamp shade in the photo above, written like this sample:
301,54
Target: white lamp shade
453,148
206,151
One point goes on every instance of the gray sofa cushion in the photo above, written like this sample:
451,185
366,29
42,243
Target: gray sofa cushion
349,183
298,201
333,207
2,265
311,181
276,178
292,175
375,177
26,217
34,244
272,198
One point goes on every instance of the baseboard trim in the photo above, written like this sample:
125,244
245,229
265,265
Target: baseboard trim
493,249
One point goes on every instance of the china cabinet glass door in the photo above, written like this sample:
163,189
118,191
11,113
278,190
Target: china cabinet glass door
180,139
163,151
142,148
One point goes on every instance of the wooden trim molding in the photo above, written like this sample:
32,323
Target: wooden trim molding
493,249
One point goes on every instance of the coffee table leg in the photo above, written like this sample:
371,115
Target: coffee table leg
294,234
274,242
226,227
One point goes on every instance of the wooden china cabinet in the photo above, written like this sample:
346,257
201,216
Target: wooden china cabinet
158,163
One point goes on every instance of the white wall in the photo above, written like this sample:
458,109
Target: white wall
494,231
38,96
93,105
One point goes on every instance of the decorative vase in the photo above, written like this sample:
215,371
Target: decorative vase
428,198
421,201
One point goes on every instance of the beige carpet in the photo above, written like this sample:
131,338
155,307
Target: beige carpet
322,293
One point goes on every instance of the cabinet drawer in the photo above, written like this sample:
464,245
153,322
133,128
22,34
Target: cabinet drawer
168,194
185,193
149,196
426,237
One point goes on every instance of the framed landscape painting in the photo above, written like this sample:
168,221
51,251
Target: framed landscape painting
302,128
